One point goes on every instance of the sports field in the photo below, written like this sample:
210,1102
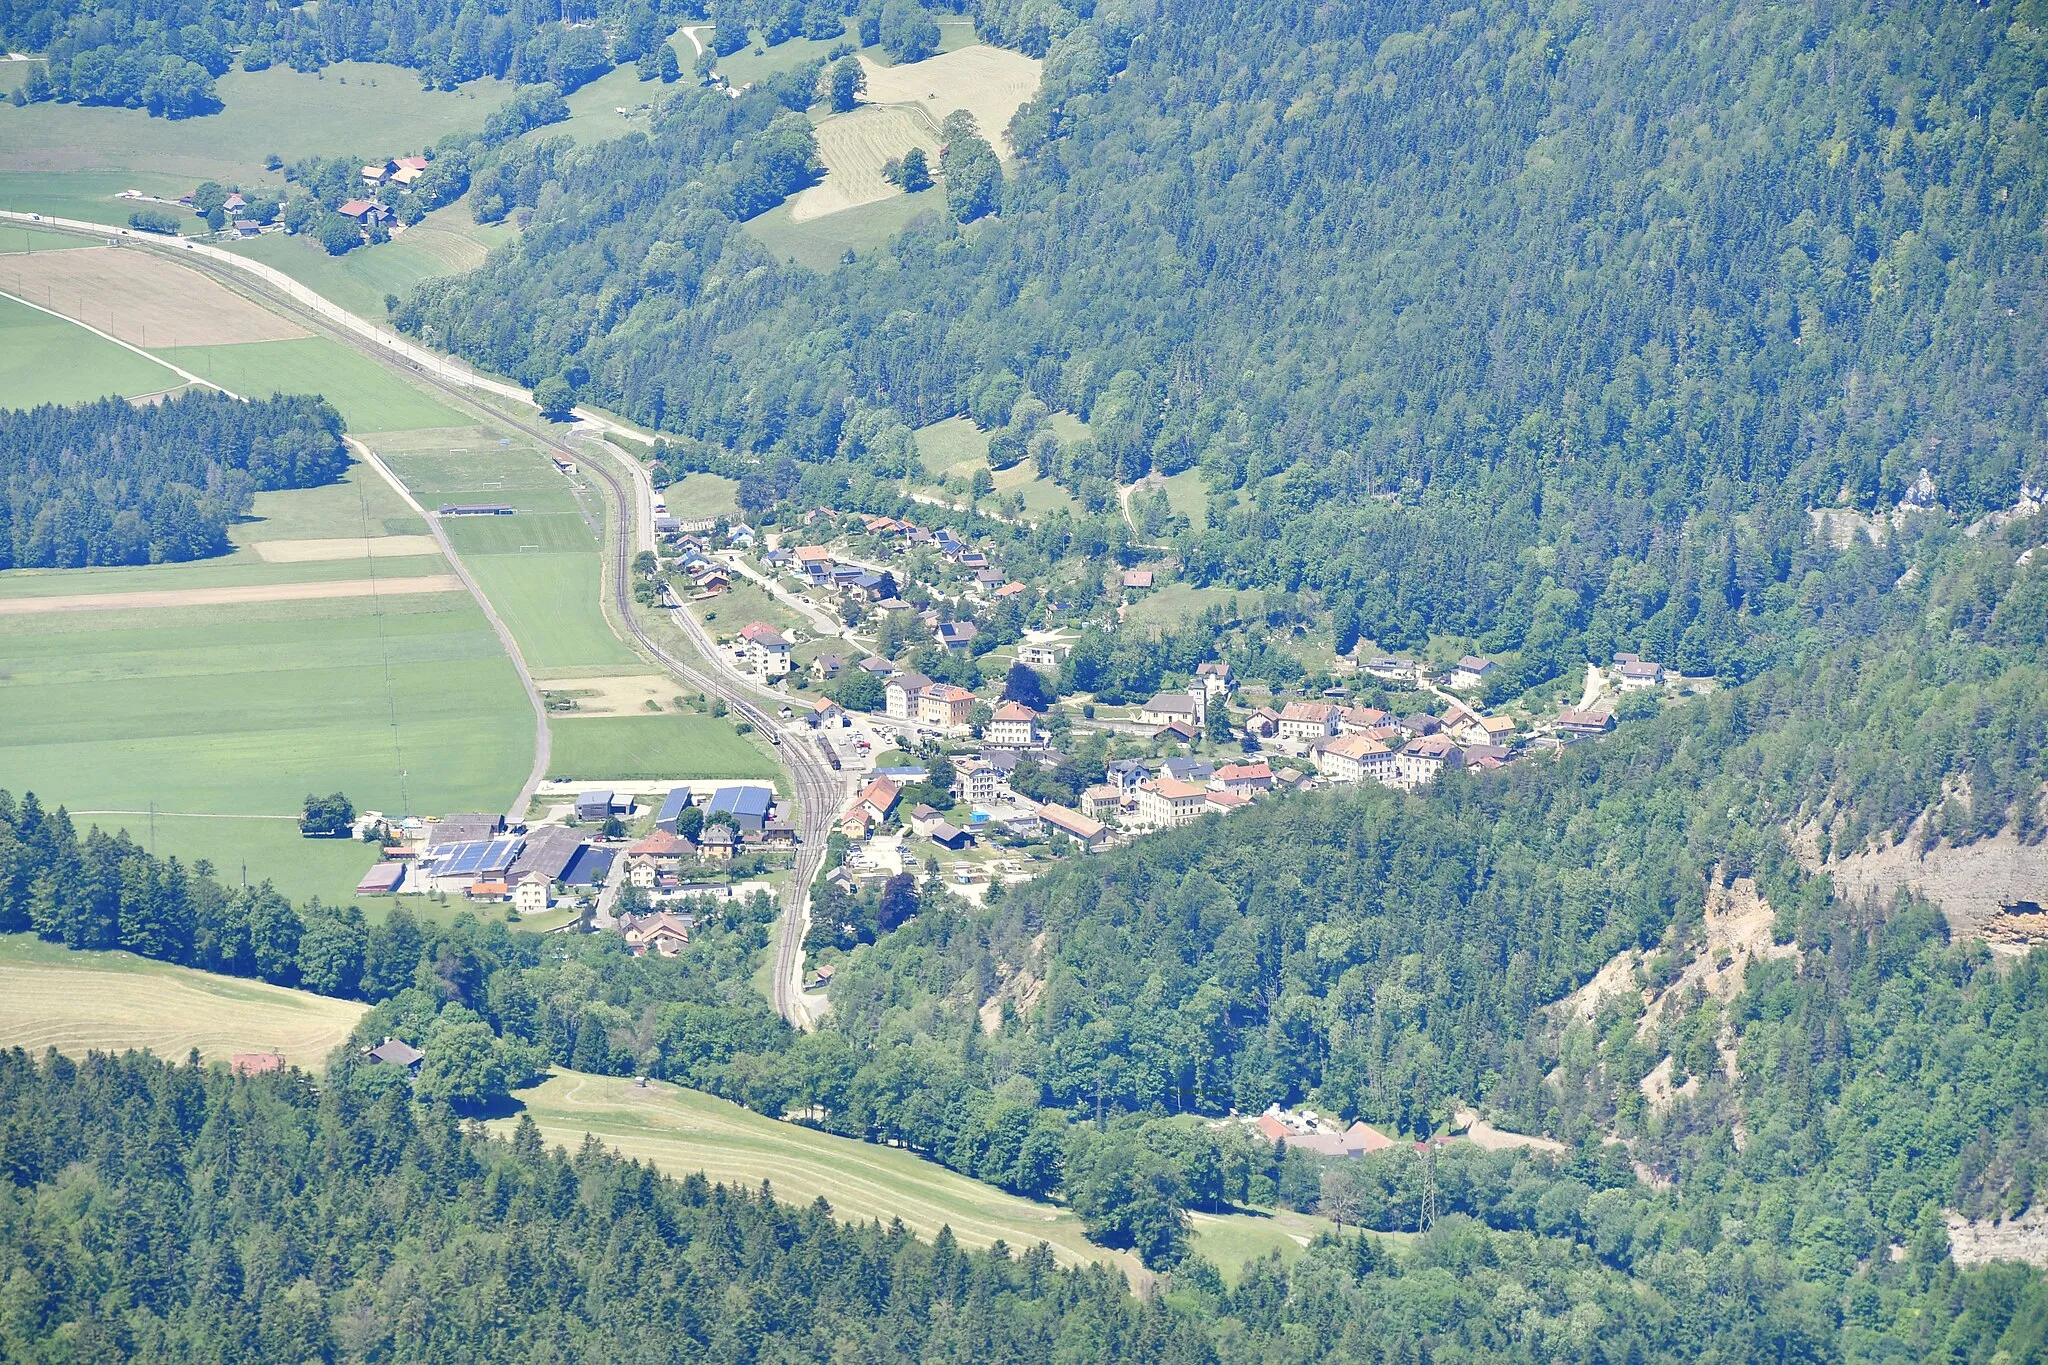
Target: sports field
368,396
654,748
683,1131
44,359
114,1002
853,147
539,567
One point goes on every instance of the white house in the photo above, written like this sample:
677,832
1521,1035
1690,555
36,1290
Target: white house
1355,758
1309,721
530,894
1013,726
1166,803
1189,708
901,693
1423,757
1470,671
765,649
1637,674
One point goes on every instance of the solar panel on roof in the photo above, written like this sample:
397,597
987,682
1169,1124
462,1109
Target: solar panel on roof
741,800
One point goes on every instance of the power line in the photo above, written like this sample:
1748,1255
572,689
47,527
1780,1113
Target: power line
384,649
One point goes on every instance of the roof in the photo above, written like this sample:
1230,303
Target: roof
677,801
661,844
1174,790
910,682
880,793
1014,710
1355,747
946,692
1212,670
1244,772
1173,703
548,850
1227,800
1138,578
356,208
464,828
761,633
1011,589
1430,746
741,801
588,866
1640,668
875,663
593,797
1317,711
478,860
1584,720
812,554
397,1052
1472,663
1072,821
380,879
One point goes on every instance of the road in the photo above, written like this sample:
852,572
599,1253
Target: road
819,791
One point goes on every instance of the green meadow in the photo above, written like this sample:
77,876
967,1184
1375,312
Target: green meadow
443,243
702,495
45,359
350,108
655,748
368,396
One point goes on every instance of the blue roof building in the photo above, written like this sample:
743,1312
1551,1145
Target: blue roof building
676,803
748,806
589,866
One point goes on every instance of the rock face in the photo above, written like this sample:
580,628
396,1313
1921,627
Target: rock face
1974,1242
1983,889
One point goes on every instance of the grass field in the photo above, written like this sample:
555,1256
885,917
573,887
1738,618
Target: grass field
360,503
703,495
956,447
114,1002
44,359
263,849
351,107
16,238
91,195
854,147
443,243
684,1131
1175,603
550,602
655,748
1189,497
822,243
368,396
752,64
988,82
745,602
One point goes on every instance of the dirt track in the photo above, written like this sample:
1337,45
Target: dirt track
141,297
216,597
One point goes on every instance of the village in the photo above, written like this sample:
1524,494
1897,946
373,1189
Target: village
988,780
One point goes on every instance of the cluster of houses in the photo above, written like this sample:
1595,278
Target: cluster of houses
235,207
478,857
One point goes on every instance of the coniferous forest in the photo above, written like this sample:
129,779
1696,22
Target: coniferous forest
113,483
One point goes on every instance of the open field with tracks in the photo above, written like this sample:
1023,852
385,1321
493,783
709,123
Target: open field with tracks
112,1002
988,82
853,147
141,297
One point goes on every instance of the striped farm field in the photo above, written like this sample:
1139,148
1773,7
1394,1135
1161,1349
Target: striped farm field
112,1002
853,147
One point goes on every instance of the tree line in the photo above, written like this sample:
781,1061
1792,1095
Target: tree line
115,483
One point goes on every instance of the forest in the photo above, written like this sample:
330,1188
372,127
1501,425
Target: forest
115,483
1559,366
155,1211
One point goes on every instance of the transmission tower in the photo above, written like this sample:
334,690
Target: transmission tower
1428,1186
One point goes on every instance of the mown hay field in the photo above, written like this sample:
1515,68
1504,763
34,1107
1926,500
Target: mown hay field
988,82
141,297
854,147
46,359
114,1002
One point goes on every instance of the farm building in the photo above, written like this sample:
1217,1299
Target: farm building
460,866
672,806
596,805
548,851
464,829
382,880
748,806
589,867
397,1052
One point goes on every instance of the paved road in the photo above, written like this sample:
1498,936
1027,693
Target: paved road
819,790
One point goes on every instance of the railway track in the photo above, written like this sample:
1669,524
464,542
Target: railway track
818,790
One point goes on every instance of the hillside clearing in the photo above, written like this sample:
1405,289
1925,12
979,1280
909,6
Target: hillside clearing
854,147
988,82
112,1002
685,1131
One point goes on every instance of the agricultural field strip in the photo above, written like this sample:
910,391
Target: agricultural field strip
157,598
184,374
143,298
854,147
